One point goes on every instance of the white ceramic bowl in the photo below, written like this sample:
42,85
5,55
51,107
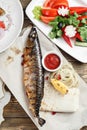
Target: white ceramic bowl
59,58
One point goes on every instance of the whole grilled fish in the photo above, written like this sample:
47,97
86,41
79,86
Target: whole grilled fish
33,74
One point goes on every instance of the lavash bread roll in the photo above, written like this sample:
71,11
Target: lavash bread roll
54,101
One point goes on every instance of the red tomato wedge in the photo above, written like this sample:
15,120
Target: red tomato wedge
46,19
49,12
48,3
56,3
82,17
78,10
60,3
2,25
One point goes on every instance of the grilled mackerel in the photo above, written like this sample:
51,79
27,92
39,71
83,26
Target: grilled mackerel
33,74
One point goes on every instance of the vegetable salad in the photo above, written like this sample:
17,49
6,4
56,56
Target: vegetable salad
67,22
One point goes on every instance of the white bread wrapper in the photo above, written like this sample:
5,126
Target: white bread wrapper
56,102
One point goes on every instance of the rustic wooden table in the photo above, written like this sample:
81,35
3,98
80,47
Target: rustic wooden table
15,117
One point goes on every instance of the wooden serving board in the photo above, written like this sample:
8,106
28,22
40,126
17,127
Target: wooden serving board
11,67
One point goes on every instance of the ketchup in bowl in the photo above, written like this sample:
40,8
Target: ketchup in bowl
51,61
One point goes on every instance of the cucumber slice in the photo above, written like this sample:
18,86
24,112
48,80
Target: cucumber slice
80,43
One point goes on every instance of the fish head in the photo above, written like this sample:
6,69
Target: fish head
33,34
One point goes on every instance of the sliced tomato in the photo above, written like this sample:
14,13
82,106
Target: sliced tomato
59,77
2,25
46,19
49,12
82,17
60,3
56,3
48,3
78,10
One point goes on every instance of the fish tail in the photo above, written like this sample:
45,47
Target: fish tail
41,121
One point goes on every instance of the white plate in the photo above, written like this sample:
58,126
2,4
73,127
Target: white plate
14,9
84,2
79,53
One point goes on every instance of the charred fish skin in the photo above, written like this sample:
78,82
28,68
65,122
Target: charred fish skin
34,73
40,74
29,78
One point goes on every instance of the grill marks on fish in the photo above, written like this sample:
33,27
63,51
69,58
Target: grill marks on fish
33,74
29,80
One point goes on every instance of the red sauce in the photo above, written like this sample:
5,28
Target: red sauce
53,113
52,61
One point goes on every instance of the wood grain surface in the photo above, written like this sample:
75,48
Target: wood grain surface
15,117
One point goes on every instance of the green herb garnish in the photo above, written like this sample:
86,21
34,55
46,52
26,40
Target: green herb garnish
83,32
37,12
63,21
